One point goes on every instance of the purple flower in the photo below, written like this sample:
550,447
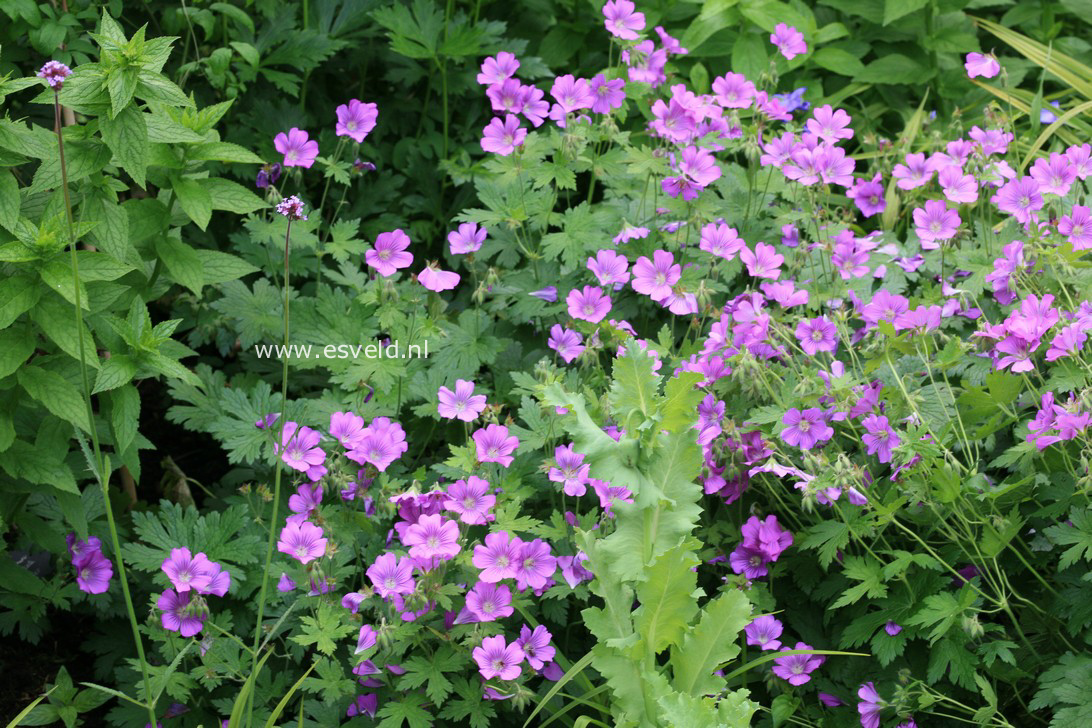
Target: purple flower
610,267
489,601
796,669
805,429
535,565
300,448
471,499
1077,227
432,537
547,294
720,240
608,95
566,343
916,172
788,40
363,705
817,334
186,571
572,569
984,65
298,148
461,404
389,253
572,94
356,120
935,222
869,706
1054,175
831,701
495,658
497,69
381,443
629,232
570,470
435,279
502,137
830,124
93,571
267,421
391,576
868,196
696,170
352,601
292,208
879,437
892,628
267,175
304,502
54,73
302,541
497,557
536,646
589,304
347,428
655,277
181,613
285,583
763,632
366,639
622,20
495,445
467,239
763,261
734,91
1020,198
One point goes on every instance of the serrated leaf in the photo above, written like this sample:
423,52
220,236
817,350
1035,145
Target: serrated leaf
668,600
59,396
712,642
127,136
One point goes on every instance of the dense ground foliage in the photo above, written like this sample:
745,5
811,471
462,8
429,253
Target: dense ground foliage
749,383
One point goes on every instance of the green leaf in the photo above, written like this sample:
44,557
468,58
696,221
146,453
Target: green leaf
116,371
941,612
323,630
154,87
634,389
59,396
9,200
18,293
231,196
183,263
827,537
895,68
220,267
895,9
1077,534
869,573
668,599
711,643
57,318
127,136
124,415
23,460
222,152
681,399
430,672
58,276
194,199
404,712
121,83
838,60
16,346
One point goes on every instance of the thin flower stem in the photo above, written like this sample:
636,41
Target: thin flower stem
100,470
276,478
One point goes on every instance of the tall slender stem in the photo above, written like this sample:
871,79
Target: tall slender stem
100,471
276,477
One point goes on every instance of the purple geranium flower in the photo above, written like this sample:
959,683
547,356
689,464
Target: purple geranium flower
805,429
389,253
763,632
356,120
298,148
461,404
495,445
302,541
495,658
788,40
796,669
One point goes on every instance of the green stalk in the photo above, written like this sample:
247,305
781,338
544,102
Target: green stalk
100,469
276,483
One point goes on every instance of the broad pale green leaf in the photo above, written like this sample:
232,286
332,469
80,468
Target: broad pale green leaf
124,415
195,200
115,372
16,345
681,400
154,87
712,642
838,60
9,200
127,136
231,196
18,293
222,152
57,319
182,263
59,396
668,600
220,267
633,393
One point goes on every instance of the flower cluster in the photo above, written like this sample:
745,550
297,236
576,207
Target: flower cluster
193,577
93,570
763,542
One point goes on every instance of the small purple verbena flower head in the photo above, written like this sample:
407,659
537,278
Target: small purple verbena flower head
292,208
54,73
